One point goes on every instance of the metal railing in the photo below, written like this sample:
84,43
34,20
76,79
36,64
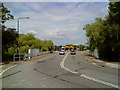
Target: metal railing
18,56
21,56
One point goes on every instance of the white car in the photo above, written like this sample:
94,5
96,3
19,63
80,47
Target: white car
62,52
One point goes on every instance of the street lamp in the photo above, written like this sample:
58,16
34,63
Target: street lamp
18,22
18,28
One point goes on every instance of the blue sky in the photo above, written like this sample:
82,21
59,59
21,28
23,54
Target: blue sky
61,22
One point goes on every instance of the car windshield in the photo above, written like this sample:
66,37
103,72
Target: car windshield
72,51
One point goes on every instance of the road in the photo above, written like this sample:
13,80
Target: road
58,71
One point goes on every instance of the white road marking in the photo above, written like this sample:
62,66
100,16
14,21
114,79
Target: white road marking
6,69
90,61
1,66
94,63
99,81
87,77
62,65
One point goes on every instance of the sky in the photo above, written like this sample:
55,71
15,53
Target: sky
61,22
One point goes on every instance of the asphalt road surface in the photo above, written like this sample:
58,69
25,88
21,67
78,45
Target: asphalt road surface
58,71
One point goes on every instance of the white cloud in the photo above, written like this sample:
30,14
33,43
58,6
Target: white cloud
32,31
60,22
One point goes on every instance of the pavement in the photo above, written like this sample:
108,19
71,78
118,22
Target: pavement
99,62
59,71
87,57
26,59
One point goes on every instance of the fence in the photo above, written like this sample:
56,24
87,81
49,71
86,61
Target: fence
31,53
94,53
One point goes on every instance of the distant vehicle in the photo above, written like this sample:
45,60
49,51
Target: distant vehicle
62,52
72,52
51,51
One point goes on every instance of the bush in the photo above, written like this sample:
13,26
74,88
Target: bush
24,49
11,50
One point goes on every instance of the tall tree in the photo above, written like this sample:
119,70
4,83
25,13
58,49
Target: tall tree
5,14
104,34
114,13
114,21
8,34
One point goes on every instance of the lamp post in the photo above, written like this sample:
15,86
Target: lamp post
18,28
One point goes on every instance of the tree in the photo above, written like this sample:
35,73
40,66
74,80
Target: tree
24,49
48,45
56,48
114,13
8,41
81,47
8,34
114,20
5,14
104,34
60,46
32,42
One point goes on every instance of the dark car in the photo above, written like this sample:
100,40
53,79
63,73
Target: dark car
72,52
62,53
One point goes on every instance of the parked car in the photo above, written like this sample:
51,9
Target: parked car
72,52
62,52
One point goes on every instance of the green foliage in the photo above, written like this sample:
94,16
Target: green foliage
81,47
104,34
8,36
32,42
114,13
24,49
28,41
44,48
7,53
95,33
56,48
8,43
69,45
5,13
24,42
47,45
11,51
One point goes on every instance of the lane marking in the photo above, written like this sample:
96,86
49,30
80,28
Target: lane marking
62,65
94,63
87,59
100,81
1,66
6,69
85,76
90,61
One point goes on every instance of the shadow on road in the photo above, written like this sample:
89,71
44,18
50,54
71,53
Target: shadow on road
10,74
72,74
